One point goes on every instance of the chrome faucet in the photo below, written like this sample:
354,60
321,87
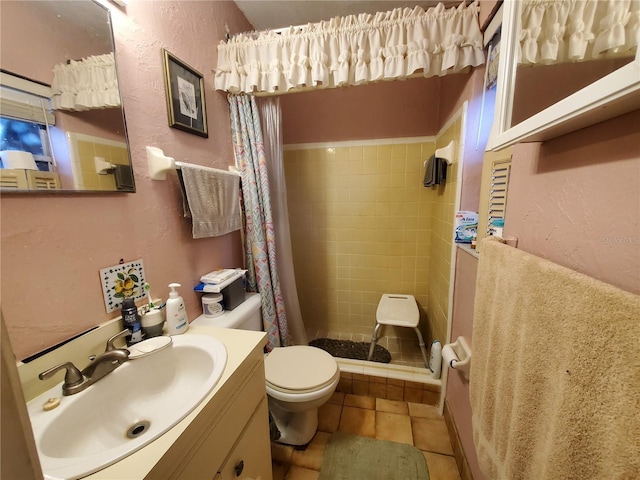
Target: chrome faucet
76,381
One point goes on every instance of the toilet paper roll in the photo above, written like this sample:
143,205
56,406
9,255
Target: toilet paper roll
448,355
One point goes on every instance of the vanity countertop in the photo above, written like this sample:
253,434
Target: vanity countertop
244,353
240,346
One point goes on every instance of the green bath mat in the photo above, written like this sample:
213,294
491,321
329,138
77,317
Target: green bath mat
350,457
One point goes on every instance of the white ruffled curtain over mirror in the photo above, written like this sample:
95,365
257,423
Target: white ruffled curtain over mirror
353,50
85,84
259,231
557,31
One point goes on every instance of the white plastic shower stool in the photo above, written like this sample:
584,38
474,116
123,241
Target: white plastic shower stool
399,311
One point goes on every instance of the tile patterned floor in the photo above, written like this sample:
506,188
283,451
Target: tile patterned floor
404,351
398,421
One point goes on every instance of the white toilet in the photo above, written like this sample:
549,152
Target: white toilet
299,378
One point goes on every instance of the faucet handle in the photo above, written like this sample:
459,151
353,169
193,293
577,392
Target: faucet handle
72,377
111,342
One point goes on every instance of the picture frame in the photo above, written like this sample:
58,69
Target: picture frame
184,88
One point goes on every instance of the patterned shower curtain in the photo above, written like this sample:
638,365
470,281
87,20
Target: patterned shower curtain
260,253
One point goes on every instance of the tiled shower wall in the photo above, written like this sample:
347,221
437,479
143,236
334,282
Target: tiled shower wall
361,226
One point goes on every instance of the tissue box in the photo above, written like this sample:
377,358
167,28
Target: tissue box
233,294
466,226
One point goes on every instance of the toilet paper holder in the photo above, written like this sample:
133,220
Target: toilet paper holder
457,355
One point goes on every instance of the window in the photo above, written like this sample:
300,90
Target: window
25,115
27,137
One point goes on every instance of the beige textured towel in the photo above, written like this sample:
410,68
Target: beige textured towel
555,377
212,200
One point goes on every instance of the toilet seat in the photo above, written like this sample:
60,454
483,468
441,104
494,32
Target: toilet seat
300,369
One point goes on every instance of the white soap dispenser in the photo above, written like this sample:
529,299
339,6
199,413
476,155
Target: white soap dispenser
177,322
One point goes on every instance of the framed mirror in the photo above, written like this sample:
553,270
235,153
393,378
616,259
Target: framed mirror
564,66
62,126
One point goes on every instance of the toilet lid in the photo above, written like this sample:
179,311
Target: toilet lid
299,368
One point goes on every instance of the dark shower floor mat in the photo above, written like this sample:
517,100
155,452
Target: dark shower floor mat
351,349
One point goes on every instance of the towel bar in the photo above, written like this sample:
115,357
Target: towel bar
160,164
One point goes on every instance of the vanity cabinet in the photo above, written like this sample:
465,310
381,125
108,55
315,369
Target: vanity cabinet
225,437
229,439
249,457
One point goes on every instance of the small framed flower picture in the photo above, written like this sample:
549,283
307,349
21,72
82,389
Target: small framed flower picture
122,281
184,88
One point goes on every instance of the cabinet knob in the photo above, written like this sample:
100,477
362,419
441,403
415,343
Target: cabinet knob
239,468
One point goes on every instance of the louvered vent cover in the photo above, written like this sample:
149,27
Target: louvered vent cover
500,171
43,180
10,178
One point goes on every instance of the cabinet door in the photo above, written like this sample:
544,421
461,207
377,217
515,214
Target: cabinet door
221,433
251,455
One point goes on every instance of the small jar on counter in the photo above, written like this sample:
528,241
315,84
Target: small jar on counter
212,305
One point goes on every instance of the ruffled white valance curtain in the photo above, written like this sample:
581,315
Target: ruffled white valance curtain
556,31
353,50
85,84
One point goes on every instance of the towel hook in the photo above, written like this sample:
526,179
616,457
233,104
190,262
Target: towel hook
447,153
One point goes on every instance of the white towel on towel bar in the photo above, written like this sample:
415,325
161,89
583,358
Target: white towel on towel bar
212,200
555,378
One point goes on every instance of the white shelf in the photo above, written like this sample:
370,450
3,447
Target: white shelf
467,248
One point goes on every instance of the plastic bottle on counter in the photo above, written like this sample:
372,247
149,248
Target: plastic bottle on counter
177,322
131,321
498,226
435,360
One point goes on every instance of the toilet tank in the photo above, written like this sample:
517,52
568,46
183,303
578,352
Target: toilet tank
245,316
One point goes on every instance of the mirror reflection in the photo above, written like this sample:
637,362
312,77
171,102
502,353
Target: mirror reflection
564,48
61,120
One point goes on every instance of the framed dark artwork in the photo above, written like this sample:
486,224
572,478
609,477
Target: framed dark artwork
184,88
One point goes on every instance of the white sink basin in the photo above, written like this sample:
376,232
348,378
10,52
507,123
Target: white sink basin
142,399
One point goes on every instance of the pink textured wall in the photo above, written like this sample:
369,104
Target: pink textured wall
486,9
575,200
462,325
50,41
453,93
105,123
381,110
54,245
539,87
466,88
456,90
43,40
